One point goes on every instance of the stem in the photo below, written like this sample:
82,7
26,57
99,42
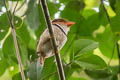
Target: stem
15,42
14,9
116,42
49,25
108,18
118,52
105,11
21,6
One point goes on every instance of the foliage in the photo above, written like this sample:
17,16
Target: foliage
91,32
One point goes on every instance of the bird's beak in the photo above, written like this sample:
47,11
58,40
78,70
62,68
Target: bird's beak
69,23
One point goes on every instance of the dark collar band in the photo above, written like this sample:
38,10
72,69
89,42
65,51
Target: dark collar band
60,28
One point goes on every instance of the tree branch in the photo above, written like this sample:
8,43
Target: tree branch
21,6
49,25
14,9
118,52
15,42
107,15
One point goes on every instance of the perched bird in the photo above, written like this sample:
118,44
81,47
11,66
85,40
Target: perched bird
60,29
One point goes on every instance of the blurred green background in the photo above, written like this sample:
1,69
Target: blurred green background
90,52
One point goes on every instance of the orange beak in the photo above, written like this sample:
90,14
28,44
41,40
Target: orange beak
69,23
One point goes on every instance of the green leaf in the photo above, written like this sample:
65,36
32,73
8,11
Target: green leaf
10,53
14,71
112,4
32,15
53,8
1,4
15,0
89,25
76,67
115,77
99,74
88,12
4,66
72,8
68,72
4,25
42,23
35,70
67,49
115,23
17,77
64,1
83,46
75,5
32,55
23,33
117,5
23,52
102,16
49,68
75,78
17,22
91,3
1,53
114,69
89,61
106,43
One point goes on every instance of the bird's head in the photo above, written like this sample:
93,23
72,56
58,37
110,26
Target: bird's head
63,22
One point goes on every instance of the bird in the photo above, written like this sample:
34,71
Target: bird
60,28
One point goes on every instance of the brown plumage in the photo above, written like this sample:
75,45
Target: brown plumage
60,30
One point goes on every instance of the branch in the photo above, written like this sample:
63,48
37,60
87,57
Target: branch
105,11
21,5
108,18
116,42
118,52
14,9
15,42
49,25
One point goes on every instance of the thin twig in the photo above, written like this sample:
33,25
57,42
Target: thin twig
107,15
116,42
14,10
108,18
21,6
15,42
118,52
49,25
